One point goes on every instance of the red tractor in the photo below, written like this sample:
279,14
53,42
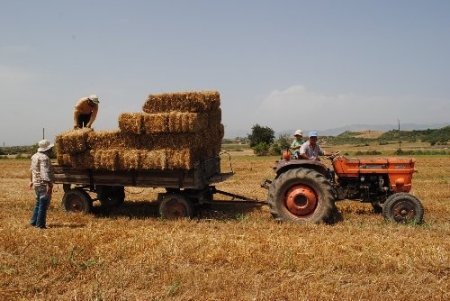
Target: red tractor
306,191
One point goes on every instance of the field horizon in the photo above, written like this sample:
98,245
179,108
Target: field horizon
228,252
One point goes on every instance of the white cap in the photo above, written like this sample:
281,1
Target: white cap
44,145
94,98
298,133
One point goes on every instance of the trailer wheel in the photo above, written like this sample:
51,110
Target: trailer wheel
174,206
77,200
301,195
403,208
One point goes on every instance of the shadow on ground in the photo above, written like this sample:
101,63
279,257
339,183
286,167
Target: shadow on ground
146,209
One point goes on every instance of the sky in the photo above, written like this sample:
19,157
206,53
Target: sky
282,64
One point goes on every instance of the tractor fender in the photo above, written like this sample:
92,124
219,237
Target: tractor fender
282,166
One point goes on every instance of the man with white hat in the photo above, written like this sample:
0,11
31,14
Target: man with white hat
85,111
296,143
42,181
310,150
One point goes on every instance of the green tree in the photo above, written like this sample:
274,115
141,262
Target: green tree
261,134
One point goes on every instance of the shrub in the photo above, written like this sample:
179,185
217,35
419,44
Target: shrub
261,149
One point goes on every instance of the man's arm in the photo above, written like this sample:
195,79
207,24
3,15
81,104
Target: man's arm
93,116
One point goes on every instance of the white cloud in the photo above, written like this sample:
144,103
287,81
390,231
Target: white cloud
298,107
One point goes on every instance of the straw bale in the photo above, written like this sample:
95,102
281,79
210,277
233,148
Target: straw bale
129,159
155,123
154,159
106,159
131,122
111,139
196,101
214,117
180,158
72,142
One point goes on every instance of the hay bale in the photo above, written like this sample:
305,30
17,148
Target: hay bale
180,158
154,159
155,123
106,159
72,142
129,159
131,123
111,139
196,101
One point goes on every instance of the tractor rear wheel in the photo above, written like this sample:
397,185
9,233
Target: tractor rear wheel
303,196
77,200
403,208
175,206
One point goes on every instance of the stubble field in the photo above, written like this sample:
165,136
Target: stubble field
227,252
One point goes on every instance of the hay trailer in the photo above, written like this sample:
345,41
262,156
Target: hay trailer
185,189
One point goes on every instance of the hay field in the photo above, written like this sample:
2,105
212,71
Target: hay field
227,253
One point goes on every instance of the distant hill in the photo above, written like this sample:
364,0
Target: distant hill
381,128
433,136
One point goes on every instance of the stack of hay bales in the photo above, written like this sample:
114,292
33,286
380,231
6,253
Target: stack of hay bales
174,131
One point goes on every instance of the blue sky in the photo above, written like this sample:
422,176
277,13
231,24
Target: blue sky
282,64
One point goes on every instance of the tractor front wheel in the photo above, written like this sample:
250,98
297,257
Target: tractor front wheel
301,195
403,208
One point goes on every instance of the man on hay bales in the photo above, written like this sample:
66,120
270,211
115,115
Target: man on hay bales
85,112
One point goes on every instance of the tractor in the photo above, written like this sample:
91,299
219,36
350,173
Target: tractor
305,191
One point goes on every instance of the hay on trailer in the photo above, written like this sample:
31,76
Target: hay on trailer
72,142
214,117
111,139
196,101
155,123
129,159
106,159
180,158
131,123
154,159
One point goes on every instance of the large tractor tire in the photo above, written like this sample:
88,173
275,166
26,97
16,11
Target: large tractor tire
403,208
175,206
77,200
303,196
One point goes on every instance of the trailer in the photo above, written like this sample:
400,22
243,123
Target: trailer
185,189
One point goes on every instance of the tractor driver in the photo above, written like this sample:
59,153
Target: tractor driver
85,112
310,150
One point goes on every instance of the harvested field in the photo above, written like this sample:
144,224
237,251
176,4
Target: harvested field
228,252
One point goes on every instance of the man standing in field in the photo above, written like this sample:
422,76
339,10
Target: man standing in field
85,111
42,182
310,150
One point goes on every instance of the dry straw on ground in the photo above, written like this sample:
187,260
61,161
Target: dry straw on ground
227,252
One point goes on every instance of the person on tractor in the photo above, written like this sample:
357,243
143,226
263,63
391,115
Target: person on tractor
310,150
85,112
296,143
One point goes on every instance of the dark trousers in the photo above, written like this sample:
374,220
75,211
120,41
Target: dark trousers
83,120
